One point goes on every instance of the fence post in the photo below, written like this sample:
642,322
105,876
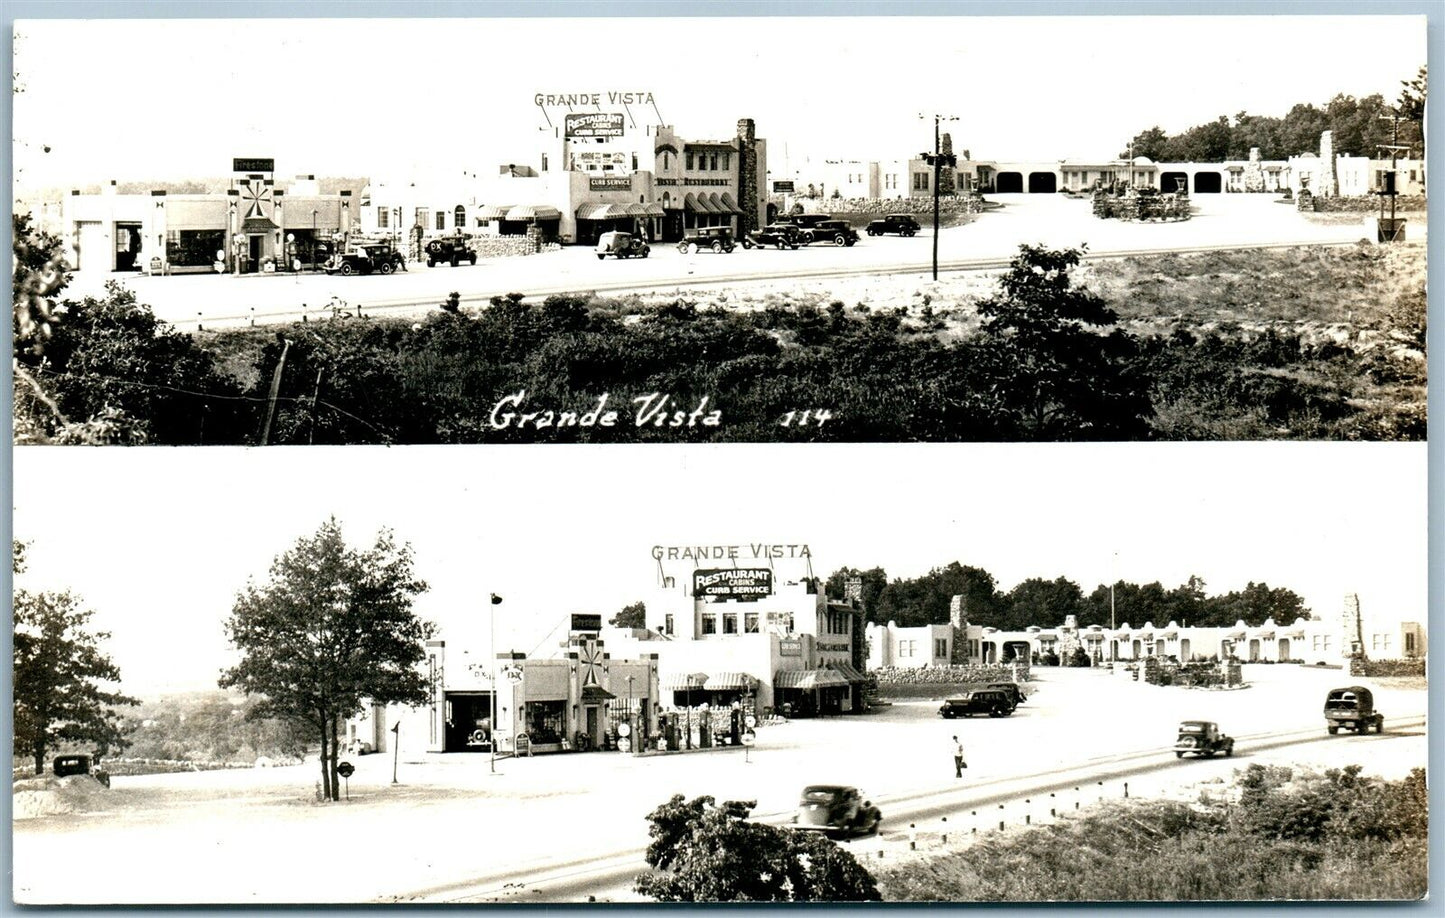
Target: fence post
1078,795
1000,817
1126,790
912,836
1101,791
944,834
974,813
1053,808
1028,811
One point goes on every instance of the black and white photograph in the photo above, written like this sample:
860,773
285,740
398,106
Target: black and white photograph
257,232
331,679
668,453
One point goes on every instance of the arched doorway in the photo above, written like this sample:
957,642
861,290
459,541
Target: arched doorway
1254,650
1013,650
1208,183
1043,183
1184,650
1174,182
1284,650
1010,183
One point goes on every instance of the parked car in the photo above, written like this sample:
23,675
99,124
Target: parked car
1203,738
993,702
620,244
380,258
450,249
902,224
718,239
803,221
834,231
1012,690
836,809
780,235
1352,707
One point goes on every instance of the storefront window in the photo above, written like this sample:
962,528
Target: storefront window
709,624
750,623
544,721
730,624
194,248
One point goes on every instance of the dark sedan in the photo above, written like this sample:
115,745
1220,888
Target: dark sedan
779,235
836,809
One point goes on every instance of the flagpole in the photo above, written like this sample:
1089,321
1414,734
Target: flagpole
496,697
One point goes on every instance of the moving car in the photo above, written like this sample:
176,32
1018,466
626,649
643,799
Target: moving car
902,224
450,249
780,235
1352,707
1203,738
1012,690
836,809
834,231
380,258
621,244
992,702
717,239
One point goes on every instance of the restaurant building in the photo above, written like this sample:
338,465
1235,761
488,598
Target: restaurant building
592,172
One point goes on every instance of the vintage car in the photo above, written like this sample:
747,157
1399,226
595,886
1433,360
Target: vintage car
902,224
834,231
1202,738
380,258
779,235
992,702
450,249
620,244
803,221
1353,708
1011,689
717,239
835,809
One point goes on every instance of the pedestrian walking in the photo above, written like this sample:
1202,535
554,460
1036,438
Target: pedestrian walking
958,763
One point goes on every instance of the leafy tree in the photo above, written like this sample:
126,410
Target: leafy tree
927,600
1150,143
1255,603
1411,107
332,628
40,276
631,616
59,670
1133,603
1050,359
1036,601
702,852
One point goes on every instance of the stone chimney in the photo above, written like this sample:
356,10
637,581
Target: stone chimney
1328,185
946,182
749,195
1352,637
958,618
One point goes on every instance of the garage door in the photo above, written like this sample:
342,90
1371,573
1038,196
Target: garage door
92,248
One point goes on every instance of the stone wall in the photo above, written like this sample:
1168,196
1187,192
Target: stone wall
945,675
504,246
956,204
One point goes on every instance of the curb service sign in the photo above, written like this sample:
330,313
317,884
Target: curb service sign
742,584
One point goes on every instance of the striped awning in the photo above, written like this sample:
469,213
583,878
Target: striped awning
808,679
697,204
730,204
655,210
726,682
847,671
682,682
533,212
597,211
493,212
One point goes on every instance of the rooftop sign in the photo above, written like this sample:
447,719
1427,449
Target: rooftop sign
741,584
593,124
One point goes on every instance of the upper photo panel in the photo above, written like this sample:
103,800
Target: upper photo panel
874,229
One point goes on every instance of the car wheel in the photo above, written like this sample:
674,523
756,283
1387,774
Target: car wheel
387,267
430,263
947,715
840,240
747,243
1380,725
728,249
908,232
455,261
1229,751
646,252
473,258
1178,754
600,257
998,710
347,270
717,248
795,246
1333,729
682,248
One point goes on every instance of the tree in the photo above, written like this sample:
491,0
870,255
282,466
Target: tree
631,616
332,628
874,583
1042,602
59,670
1412,106
702,852
1050,359
1150,143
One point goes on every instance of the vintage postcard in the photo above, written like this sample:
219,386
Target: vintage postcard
732,459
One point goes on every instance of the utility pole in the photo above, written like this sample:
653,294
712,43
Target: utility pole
936,159
1389,191
275,391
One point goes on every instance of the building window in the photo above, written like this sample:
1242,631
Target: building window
1380,642
689,160
730,624
544,720
441,220
194,248
666,161
459,218
920,181
667,623
709,624
905,648
940,647
727,160
422,213
713,160
383,218
750,623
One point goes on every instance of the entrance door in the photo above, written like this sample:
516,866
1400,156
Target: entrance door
594,726
127,246
253,254
90,247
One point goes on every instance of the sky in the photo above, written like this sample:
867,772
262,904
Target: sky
144,99
158,541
